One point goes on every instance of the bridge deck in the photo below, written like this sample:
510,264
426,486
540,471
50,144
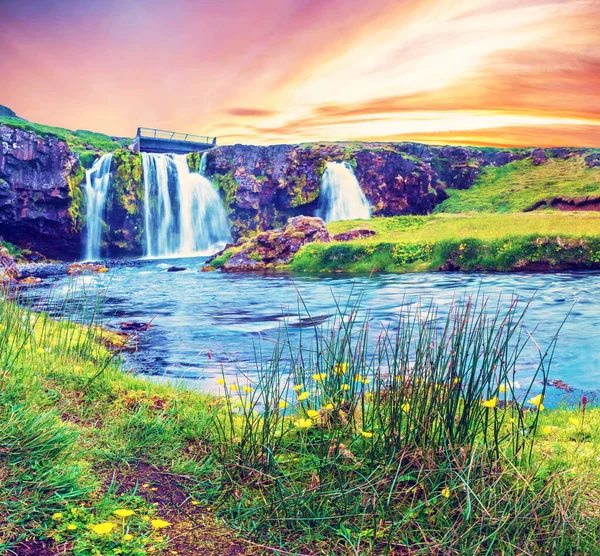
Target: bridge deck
149,140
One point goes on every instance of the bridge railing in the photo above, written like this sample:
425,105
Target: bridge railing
174,136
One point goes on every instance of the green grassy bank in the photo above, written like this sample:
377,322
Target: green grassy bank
543,240
424,447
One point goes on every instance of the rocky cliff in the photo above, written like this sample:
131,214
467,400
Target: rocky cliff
39,193
42,204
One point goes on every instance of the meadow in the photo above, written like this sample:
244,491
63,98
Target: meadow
417,440
552,240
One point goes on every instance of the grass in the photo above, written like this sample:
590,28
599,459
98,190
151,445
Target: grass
361,441
79,140
513,241
520,186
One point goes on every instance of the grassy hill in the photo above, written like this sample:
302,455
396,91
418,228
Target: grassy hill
520,186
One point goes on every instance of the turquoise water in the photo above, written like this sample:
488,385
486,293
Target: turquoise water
206,323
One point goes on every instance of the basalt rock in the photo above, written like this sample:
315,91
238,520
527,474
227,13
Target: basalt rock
356,233
592,160
35,193
538,157
276,247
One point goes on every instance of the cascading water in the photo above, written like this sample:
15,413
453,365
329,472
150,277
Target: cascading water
97,182
183,213
341,196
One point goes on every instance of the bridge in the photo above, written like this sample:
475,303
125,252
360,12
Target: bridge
150,140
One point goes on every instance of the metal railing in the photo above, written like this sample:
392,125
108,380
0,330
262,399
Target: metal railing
174,136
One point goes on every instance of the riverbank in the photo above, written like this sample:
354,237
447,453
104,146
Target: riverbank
308,469
535,241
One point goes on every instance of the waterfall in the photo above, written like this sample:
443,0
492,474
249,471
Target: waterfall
341,196
97,182
183,213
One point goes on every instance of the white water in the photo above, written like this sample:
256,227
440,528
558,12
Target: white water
341,196
183,213
97,182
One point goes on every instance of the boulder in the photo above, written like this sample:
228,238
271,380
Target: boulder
592,160
77,269
538,157
8,267
355,233
276,247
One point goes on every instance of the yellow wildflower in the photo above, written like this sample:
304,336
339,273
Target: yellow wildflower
71,527
145,485
547,430
234,387
195,502
103,528
127,537
366,434
328,407
303,396
491,403
40,351
574,421
537,401
145,518
502,389
358,378
446,492
123,513
247,389
158,538
298,387
456,380
405,407
366,381
159,524
283,404
57,516
345,387
303,423
312,413
319,377
221,381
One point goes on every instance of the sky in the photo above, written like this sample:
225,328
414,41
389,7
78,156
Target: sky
489,72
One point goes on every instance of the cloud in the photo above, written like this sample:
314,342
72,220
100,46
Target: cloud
251,112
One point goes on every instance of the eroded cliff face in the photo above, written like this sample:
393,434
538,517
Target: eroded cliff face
39,193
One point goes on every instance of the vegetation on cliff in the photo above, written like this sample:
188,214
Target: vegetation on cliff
522,186
330,452
515,241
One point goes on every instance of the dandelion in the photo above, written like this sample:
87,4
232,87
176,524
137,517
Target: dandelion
123,513
127,537
283,404
547,430
537,401
40,351
247,389
298,387
319,377
221,381
303,423
234,387
358,378
446,492
159,524
502,388
491,403
312,413
366,381
406,407
57,516
573,421
345,387
328,407
366,434
71,527
303,396
103,528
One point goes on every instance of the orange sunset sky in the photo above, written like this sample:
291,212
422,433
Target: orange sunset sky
496,72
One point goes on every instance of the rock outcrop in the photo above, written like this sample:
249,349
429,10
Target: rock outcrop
38,181
355,233
275,247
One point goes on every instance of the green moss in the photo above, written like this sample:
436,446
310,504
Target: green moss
193,160
127,180
87,159
76,204
227,186
302,196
